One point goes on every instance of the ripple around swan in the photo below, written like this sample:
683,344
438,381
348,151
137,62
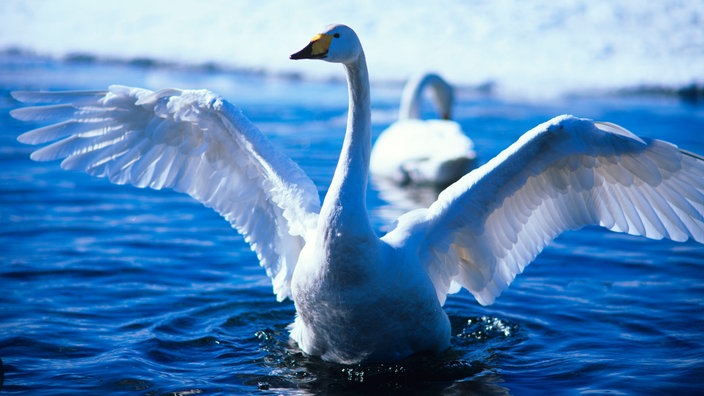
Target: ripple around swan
454,371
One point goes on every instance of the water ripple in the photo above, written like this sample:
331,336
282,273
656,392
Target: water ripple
116,290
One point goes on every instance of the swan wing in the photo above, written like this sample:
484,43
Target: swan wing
192,141
564,174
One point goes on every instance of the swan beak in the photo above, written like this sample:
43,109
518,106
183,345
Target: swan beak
316,49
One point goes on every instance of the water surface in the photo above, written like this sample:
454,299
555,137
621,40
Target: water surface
116,290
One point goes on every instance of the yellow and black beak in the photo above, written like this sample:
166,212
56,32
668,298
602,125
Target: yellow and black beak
316,49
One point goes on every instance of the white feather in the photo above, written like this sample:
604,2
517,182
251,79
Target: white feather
564,174
192,141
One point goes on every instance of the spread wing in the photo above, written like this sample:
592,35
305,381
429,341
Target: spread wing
191,141
564,174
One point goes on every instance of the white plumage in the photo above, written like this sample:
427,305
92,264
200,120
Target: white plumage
424,152
359,297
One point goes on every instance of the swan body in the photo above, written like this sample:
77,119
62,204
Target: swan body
358,297
424,152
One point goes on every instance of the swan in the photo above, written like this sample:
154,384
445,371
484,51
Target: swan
361,298
425,152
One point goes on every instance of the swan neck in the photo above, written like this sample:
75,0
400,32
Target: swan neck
349,184
357,144
413,95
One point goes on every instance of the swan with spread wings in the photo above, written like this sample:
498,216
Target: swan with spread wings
358,297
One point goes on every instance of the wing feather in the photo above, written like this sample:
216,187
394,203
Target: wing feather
565,174
191,141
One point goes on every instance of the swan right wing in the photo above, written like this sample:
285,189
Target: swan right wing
564,174
192,141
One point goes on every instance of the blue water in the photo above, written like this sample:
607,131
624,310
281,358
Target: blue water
115,290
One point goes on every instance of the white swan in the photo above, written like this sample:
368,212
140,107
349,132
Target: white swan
358,297
427,152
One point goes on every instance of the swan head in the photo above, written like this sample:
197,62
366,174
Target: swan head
337,43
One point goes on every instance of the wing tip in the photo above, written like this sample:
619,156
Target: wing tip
484,297
26,138
24,113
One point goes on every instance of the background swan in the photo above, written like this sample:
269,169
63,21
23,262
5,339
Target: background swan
359,297
412,150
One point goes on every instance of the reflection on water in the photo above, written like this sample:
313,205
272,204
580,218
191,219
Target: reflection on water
400,199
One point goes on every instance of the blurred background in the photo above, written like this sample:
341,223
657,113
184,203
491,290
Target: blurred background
530,49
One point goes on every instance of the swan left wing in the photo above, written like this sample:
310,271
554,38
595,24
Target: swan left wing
564,174
191,141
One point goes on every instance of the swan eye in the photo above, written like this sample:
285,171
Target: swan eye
336,35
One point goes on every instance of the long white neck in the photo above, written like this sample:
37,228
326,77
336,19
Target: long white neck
413,94
345,202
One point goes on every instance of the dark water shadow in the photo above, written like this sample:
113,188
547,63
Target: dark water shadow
467,368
